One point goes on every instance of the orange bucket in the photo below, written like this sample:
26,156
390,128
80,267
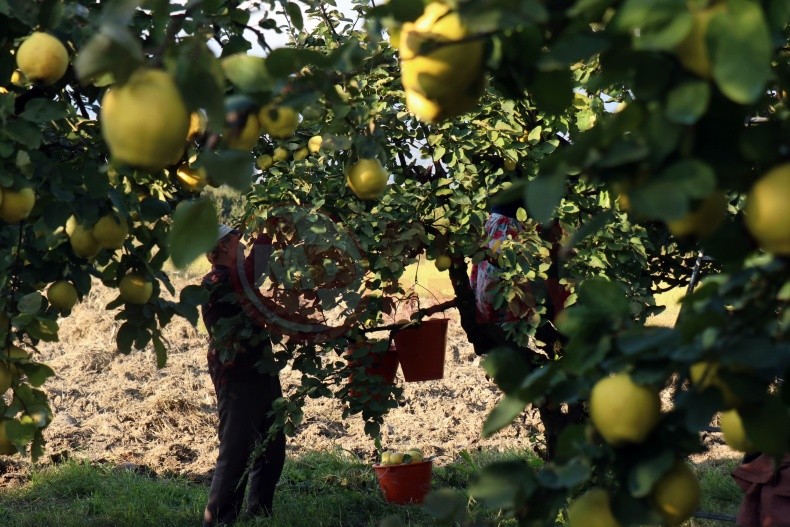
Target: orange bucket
404,484
421,350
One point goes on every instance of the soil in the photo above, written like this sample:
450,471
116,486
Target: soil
122,410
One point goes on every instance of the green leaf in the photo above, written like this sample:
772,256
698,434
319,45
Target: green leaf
479,17
694,177
194,231
503,414
569,475
593,225
507,367
23,132
18,433
767,425
740,49
544,194
445,505
571,49
295,14
248,73
113,49
125,337
44,329
43,110
654,24
604,296
660,199
282,62
194,295
688,102
37,373
230,167
552,91
405,10
200,80
30,304
646,471
161,352
501,484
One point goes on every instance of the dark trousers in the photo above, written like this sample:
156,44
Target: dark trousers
242,423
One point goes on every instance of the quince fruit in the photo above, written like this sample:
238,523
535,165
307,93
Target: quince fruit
135,288
622,411
16,205
145,121
42,58
278,121
62,295
767,213
367,178
110,231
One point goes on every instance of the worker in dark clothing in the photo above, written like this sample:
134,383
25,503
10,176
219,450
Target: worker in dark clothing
245,393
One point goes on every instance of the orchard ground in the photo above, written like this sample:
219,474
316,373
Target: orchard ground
119,409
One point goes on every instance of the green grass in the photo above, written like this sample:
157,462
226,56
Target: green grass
320,489
720,494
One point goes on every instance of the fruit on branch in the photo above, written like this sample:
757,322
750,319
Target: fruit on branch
280,154
145,121
81,239
62,295
443,262
734,433
693,52
278,121
441,64
301,154
135,288
246,138
42,58
264,162
5,378
314,144
191,179
767,212
676,494
705,374
367,178
592,509
622,411
7,448
16,205
110,231
198,123
704,220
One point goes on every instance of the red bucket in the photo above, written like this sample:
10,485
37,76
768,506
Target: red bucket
404,484
384,365
421,350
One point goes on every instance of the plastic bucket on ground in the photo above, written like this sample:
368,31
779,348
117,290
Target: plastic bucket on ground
405,484
421,350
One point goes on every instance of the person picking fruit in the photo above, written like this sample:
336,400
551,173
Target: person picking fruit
245,394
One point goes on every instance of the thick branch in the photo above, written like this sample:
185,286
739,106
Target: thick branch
483,337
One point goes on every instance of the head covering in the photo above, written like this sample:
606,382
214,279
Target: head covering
223,231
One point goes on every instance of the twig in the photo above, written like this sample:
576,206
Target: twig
325,16
714,516
77,96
